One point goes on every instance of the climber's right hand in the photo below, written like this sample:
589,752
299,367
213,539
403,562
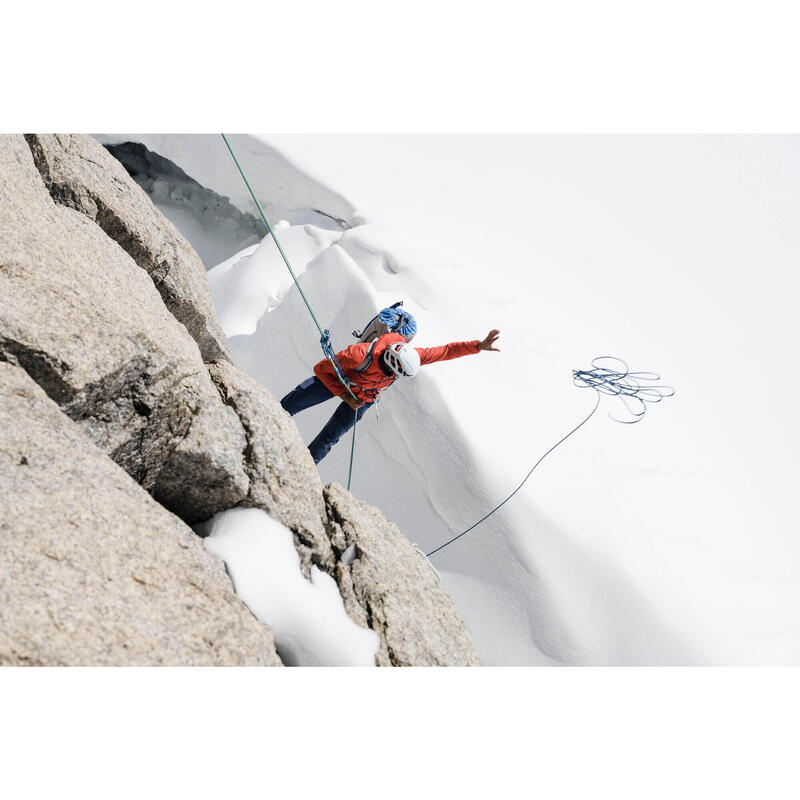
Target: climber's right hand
354,404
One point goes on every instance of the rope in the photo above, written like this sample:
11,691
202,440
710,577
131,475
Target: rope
272,234
622,383
604,380
352,450
325,335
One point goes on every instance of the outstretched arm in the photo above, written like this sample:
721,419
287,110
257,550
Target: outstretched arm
429,355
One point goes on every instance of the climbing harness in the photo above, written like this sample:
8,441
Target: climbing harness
605,380
325,335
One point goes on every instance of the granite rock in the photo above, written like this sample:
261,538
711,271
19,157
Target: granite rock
81,174
93,571
390,586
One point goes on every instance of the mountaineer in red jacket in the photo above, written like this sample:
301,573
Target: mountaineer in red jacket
369,368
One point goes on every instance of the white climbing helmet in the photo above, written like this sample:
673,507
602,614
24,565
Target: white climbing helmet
401,359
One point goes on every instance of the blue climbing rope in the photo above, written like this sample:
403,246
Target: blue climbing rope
325,334
605,380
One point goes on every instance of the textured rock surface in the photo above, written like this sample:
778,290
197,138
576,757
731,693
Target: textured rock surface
92,570
89,326
284,480
79,173
391,587
204,472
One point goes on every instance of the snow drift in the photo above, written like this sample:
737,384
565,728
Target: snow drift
307,618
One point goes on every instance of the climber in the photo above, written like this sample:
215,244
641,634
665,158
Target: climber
369,368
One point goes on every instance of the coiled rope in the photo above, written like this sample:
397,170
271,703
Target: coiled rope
608,376
325,335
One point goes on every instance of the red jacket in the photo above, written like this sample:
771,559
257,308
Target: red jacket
367,385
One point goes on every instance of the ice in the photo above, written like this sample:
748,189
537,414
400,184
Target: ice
308,619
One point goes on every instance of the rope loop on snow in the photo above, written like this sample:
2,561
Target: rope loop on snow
608,376
325,335
611,376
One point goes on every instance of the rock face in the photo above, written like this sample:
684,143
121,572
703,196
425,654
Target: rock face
284,480
390,586
80,174
92,570
90,328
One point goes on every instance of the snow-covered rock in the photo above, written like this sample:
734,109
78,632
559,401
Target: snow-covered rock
306,615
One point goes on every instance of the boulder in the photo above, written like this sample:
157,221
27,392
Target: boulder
81,174
93,571
390,586
89,327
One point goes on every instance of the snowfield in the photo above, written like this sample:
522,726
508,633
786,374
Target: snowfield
671,541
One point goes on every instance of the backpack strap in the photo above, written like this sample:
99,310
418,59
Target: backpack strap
364,365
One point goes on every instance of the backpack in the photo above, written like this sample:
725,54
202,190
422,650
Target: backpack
393,319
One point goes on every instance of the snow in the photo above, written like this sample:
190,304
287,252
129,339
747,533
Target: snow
205,158
255,280
667,542
218,240
307,618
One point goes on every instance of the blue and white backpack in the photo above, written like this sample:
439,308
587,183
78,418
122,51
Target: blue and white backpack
394,319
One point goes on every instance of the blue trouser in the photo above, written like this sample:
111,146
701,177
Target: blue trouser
312,392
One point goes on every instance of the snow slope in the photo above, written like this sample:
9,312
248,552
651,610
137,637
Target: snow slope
667,542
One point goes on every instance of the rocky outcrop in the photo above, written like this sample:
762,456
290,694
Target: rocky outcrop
89,327
92,570
389,586
80,174
284,480
204,473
